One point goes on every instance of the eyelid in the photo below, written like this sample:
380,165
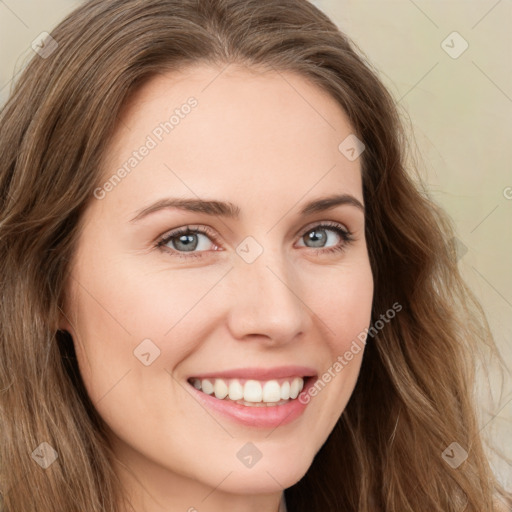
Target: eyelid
208,231
325,223
188,228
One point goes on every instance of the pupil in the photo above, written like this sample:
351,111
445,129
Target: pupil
189,242
317,237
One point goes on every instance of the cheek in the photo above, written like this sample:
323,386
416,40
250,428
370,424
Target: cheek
344,307
350,309
125,317
342,300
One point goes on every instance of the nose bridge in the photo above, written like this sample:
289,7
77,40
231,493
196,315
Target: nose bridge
266,301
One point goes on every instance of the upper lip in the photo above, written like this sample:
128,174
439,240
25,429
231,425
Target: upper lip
277,372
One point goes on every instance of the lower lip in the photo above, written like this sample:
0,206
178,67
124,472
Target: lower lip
261,417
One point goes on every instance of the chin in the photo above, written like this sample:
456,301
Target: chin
274,476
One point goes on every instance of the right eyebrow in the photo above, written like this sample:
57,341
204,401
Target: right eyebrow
220,208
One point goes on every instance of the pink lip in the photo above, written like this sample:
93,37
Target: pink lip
278,372
260,417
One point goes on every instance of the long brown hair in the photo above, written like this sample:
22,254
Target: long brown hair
414,396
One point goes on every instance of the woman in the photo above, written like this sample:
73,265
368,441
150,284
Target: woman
170,338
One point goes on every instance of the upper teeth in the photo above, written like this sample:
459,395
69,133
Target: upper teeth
251,390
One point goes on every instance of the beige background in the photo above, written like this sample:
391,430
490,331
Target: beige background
460,110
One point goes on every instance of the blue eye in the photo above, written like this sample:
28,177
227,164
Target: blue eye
186,240
318,235
189,242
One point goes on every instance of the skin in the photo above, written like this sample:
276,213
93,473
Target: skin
254,136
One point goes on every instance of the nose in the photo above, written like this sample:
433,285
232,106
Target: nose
266,303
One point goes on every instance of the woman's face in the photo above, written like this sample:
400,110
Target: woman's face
273,287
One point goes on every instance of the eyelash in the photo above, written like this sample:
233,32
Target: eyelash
345,235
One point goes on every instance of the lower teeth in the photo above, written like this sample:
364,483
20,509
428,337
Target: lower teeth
260,404
254,404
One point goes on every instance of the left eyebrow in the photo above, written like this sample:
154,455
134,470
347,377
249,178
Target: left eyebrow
226,209
327,203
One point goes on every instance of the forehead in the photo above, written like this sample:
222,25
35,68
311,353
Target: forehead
230,131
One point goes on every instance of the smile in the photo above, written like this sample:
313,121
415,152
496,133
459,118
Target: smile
250,392
255,397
